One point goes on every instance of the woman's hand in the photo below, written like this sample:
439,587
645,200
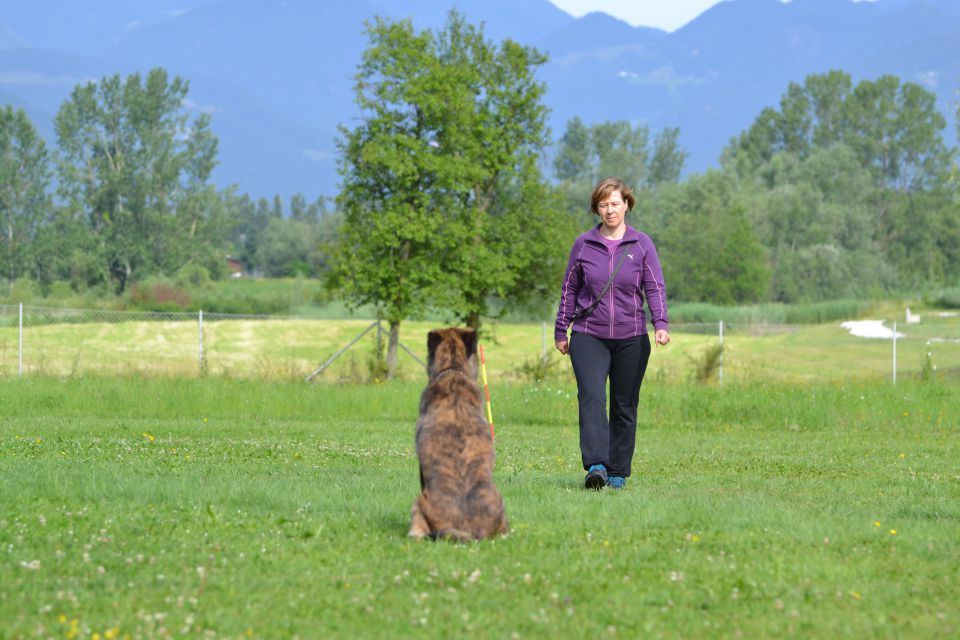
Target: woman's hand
662,337
562,346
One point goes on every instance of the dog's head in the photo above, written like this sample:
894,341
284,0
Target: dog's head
452,348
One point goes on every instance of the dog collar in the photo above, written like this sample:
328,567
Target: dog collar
450,370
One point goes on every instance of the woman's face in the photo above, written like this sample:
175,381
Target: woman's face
612,210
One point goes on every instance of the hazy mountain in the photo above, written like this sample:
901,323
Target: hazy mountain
87,26
277,75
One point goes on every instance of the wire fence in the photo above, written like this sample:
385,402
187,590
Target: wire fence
70,342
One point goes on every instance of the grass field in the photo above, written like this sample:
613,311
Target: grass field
237,508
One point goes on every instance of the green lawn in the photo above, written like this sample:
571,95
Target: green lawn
225,507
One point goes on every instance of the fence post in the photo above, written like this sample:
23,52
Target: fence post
894,352
544,331
721,352
200,361
20,347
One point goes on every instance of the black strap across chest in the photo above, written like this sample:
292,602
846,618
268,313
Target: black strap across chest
583,313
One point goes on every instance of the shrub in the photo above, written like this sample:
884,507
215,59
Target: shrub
158,296
944,298
707,366
539,369
193,276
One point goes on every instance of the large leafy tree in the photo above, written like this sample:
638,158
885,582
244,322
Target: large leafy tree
443,203
897,131
136,164
509,232
24,203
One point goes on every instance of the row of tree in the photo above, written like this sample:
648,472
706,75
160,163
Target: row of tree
843,191
127,195
446,206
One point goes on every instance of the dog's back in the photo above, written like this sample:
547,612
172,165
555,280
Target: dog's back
458,498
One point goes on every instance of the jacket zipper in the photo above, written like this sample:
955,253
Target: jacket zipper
612,285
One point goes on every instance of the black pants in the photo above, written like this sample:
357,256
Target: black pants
609,442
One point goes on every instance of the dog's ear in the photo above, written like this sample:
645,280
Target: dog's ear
469,337
433,341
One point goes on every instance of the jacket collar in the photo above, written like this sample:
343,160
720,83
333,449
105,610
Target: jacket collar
630,235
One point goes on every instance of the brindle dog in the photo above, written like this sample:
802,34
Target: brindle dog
458,500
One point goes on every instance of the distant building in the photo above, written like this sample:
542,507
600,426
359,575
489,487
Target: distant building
235,267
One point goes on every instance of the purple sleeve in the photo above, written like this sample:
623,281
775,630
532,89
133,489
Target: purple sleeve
572,278
654,287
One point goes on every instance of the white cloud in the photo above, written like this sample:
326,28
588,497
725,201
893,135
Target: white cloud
930,78
207,109
318,155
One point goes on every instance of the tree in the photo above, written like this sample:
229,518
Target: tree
709,250
620,150
440,178
199,233
573,158
66,250
827,92
668,158
289,248
586,154
136,165
895,129
796,120
390,250
921,237
24,178
898,132
855,188
298,207
816,221
493,141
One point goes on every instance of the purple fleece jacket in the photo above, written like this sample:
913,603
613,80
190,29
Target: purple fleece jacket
620,314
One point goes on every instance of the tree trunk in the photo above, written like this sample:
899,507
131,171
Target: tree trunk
392,343
12,266
473,320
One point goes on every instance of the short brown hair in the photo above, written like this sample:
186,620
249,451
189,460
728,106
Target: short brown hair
605,187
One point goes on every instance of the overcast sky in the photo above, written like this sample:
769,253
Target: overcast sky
668,15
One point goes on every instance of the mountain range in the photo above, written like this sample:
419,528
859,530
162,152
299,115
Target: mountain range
277,75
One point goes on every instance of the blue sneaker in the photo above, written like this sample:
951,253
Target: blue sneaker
616,482
596,477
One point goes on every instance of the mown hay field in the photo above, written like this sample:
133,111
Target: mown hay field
294,348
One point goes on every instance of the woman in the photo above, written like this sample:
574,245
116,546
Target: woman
609,330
